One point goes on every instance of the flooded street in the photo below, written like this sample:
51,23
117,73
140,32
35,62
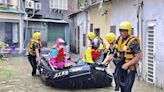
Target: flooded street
124,31
19,79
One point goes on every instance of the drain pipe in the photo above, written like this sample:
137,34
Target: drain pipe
142,35
27,24
140,29
138,17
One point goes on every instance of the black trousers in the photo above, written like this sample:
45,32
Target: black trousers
32,60
123,78
129,82
116,75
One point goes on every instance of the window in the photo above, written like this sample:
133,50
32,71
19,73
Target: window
84,40
97,31
11,33
59,4
65,4
113,29
15,32
51,3
150,56
91,27
132,31
10,4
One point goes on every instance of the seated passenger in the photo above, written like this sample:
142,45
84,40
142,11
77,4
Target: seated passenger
57,55
92,53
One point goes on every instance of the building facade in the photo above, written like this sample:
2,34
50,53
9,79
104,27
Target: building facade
100,18
91,17
147,22
152,27
11,19
50,18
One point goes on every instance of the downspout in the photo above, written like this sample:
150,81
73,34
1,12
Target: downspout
21,43
140,30
138,17
141,21
142,38
27,22
86,25
68,30
21,35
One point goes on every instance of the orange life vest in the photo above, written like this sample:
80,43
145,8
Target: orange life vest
124,47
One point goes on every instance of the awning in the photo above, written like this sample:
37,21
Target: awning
9,20
47,20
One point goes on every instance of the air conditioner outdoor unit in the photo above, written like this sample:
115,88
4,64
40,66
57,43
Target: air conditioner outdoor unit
38,6
29,4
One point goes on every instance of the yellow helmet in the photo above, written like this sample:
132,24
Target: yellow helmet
36,35
91,35
126,25
110,37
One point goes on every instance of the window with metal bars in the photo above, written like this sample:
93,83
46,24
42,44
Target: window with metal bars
150,54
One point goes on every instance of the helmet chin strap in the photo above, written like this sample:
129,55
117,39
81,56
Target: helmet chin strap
126,37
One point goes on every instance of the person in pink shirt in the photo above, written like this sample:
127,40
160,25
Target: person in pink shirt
57,55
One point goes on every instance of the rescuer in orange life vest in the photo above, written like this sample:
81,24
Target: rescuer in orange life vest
33,51
128,53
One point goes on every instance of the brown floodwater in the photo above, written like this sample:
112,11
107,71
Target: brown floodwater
19,79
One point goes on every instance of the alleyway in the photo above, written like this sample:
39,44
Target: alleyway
18,79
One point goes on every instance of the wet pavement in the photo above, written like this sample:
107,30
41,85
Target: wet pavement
18,79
